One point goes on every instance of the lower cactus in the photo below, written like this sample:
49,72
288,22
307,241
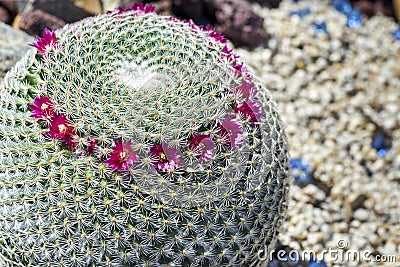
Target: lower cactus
133,139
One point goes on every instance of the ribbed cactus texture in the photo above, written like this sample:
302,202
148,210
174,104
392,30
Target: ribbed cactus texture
138,140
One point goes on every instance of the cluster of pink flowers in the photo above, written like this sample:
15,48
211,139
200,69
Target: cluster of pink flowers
248,110
59,126
225,52
163,157
140,7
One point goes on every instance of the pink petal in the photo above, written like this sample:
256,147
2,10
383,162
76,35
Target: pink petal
246,90
122,156
230,132
42,108
165,158
60,127
49,40
249,110
202,146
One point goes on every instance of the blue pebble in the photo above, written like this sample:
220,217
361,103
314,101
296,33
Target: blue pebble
284,261
320,27
396,34
273,263
380,143
301,12
301,171
382,152
354,19
343,6
316,263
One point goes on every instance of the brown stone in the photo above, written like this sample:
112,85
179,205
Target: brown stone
190,9
36,21
163,7
366,7
4,16
10,5
8,11
237,21
92,6
63,9
374,7
268,3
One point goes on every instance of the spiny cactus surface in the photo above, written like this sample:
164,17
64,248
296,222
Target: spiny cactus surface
131,139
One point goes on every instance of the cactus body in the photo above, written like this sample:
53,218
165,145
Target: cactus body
138,140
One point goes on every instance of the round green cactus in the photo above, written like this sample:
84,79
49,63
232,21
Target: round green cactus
132,139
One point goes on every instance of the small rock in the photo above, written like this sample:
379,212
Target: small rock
362,215
4,16
389,249
320,27
358,242
13,45
62,9
268,3
396,34
301,171
36,21
163,7
303,12
381,142
11,6
237,21
190,9
109,5
314,238
354,19
358,201
317,263
300,231
92,6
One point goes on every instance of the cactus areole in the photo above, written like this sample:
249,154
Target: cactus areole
132,139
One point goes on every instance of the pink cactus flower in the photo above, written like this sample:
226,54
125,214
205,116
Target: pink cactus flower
239,68
228,53
72,141
91,146
122,156
202,146
48,41
165,158
144,8
42,108
192,25
230,131
249,110
117,11
216,35
246,90
60,127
